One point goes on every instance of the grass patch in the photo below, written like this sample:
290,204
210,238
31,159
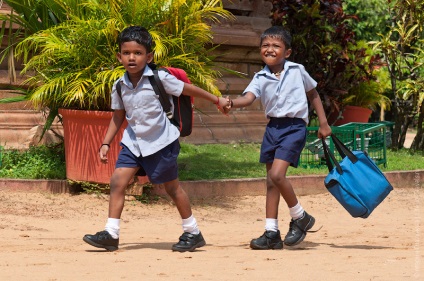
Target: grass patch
219,161
38,162
235,161
196,162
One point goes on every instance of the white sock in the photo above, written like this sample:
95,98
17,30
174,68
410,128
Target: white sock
190,225
297,211
271,224
112,226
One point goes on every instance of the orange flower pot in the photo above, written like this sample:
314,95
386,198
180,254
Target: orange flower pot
351,114
84,131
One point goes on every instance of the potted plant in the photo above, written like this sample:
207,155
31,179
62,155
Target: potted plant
362,99
73,63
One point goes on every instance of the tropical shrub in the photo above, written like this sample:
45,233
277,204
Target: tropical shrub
403,49
325,44
72,58
370,17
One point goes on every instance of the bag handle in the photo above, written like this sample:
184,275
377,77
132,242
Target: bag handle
329,156
343,151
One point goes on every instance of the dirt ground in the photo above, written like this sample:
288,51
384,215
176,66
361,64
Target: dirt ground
41,239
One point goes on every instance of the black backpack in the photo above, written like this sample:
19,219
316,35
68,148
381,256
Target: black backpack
182,116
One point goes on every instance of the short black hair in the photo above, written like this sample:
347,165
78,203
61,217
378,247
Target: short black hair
278,32
138,34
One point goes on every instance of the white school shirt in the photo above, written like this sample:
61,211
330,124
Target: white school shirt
148,130
284,97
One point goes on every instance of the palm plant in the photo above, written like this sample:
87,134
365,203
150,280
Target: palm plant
29,16
73,59
366,94
370,94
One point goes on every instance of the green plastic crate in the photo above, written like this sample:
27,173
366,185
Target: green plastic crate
368,137
389,130
312,155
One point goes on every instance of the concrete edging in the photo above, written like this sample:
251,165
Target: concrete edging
303,185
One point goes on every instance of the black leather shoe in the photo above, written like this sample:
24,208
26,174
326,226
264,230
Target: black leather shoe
298,229
103,240
270,240
189,242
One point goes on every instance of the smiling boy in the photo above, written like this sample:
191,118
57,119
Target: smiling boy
284,89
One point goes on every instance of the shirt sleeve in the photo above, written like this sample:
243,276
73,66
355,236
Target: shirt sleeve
253,87
308,81
172,85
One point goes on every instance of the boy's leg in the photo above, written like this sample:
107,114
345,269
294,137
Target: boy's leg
272,196
301,221
109,238
271,238
162,168
276,174
180,198
191,238
118,184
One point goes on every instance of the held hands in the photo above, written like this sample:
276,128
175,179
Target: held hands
229,105
222,104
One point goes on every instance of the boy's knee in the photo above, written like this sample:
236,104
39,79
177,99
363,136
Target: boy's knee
173,191
116,185
277,178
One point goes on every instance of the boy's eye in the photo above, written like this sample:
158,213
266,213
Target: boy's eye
268,46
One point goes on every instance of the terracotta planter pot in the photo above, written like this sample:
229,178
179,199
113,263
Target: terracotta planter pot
351,114
83,133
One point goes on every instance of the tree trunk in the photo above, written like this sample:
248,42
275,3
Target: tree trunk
399,118
403,119
418,142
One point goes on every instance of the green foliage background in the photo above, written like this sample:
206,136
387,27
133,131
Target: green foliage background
69,46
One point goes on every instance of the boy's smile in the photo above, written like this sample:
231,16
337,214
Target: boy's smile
134,58
274,53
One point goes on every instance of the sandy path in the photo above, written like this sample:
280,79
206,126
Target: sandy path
41,239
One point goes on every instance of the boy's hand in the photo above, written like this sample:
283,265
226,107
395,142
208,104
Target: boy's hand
324,131
104,149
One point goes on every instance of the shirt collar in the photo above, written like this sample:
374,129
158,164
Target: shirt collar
265,71
125,79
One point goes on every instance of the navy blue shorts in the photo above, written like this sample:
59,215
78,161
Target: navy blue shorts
284,139
160,167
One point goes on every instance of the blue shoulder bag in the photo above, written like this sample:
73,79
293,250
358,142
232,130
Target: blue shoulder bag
356,182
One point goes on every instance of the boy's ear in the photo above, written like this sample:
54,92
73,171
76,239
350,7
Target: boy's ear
288,53
150,57
118,56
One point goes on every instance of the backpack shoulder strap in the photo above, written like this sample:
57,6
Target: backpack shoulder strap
119,89
160,91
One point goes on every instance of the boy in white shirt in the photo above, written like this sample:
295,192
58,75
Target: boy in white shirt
150,143
284,88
